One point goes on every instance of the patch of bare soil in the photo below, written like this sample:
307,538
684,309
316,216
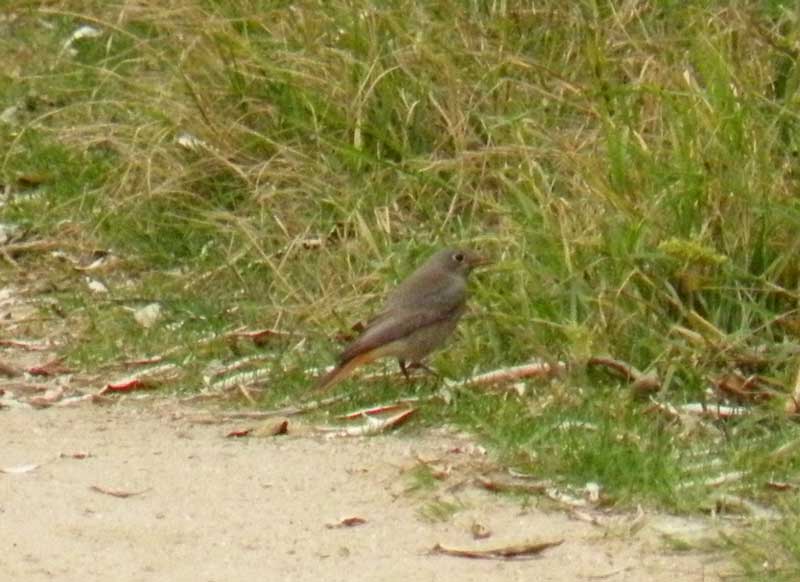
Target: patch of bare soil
206,507
132,491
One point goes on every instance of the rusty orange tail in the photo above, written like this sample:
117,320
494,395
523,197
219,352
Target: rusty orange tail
342,371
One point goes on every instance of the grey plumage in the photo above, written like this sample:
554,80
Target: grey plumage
417,318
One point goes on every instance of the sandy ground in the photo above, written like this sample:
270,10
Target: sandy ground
212,508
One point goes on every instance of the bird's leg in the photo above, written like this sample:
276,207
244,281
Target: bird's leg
421,366
403,367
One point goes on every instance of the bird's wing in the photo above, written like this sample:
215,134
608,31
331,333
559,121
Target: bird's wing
425,287
392,325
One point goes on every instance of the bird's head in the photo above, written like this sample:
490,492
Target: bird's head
460,261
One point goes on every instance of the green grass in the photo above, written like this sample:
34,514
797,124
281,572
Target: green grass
632,167
773,555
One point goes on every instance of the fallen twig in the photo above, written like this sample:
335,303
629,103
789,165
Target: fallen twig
524,550
271,428
244,391
374,410
233,367
239,379
238,433
32,246
24,345
117,492
144,380
72,400
780,485
640,382
372,426
507,486
713,411
565,499
258,337
80,455
347,522
47,399
51,368
745,389
718,481
544,487
139,361
717,411
502,375
531,370
19,469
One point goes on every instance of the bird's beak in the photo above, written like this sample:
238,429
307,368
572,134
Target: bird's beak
480,261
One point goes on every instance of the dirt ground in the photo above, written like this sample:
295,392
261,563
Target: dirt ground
212,508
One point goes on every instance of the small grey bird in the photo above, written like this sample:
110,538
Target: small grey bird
417,318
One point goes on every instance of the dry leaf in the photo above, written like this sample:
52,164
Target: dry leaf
781,485
260,336
697,409
745,389
18,469
372,426
148,315
238,433
347,522
128,385
24,345
501,553
532,370
116,492
51,368
72,400
75,455
272,428
141,361
146,379
373,410
49,398
96,286
99,259
508,486
240,379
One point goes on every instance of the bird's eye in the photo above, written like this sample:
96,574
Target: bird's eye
459,257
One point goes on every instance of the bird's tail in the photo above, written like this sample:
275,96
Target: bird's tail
342,371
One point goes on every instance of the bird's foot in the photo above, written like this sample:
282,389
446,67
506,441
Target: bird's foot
421,366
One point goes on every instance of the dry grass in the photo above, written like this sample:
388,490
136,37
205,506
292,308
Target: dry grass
631,166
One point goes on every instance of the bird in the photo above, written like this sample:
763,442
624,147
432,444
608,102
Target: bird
416,319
